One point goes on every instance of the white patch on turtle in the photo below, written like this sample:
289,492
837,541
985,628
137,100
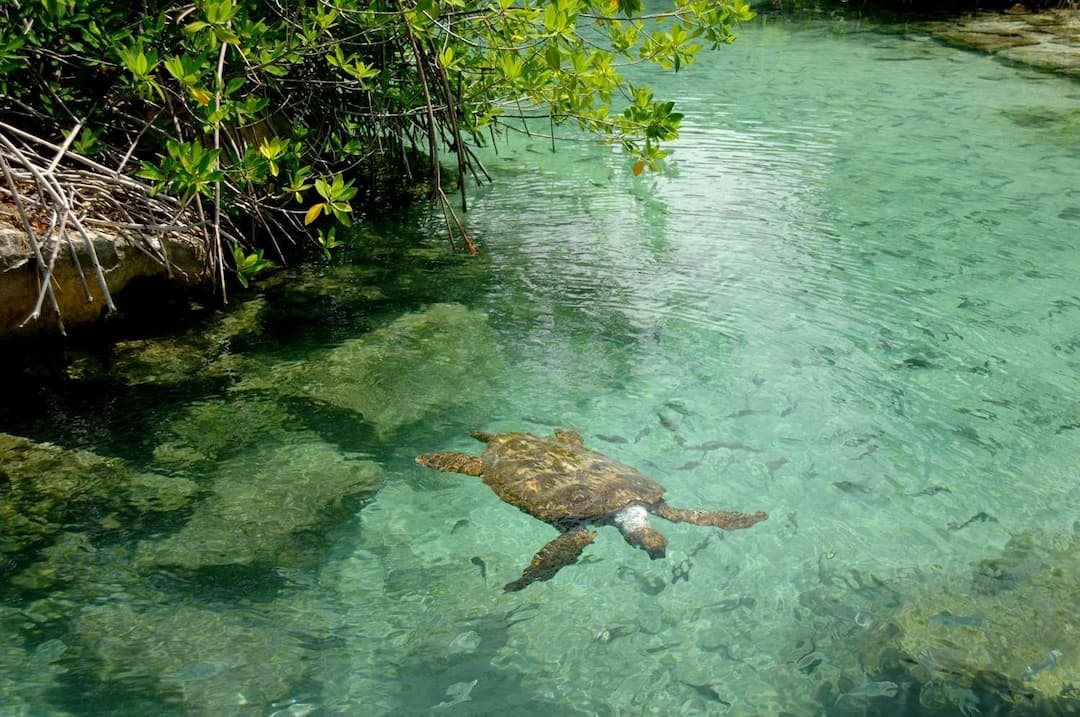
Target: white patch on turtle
631,519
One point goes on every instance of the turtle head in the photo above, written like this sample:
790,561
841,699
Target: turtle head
650,540
633,523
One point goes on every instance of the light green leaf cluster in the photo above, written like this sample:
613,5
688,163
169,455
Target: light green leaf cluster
282,112
562,60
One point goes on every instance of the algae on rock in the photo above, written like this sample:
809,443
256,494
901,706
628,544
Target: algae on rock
211,430
46,490
399,374
266,506
208,662
1015,610
202,352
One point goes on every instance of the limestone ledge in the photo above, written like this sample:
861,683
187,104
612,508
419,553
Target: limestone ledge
1047,40
123,256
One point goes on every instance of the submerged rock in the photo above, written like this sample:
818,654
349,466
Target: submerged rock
46,490
1007,642
202,660
267,507
202,352
401,373
211,430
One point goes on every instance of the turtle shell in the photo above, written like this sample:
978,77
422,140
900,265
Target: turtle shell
559,480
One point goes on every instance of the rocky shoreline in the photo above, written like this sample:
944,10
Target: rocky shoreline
1046,40
176,259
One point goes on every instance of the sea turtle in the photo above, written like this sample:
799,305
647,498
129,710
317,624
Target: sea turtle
560,481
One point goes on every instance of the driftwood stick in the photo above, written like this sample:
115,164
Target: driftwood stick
432,134
135,142
15,131
64,147
449,210
57,194
455,129
151,246
75,259
216,228
46,277
99,272
29,229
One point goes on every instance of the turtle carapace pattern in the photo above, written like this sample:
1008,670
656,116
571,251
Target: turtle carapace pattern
560,481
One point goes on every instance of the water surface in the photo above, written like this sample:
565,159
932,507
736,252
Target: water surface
858,276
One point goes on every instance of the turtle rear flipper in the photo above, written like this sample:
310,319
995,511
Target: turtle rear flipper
452,462
560,552
726,519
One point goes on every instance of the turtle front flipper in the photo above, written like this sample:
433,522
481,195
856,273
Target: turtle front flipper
726,519
560,552
452,462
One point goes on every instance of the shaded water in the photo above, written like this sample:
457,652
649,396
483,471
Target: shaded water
855,292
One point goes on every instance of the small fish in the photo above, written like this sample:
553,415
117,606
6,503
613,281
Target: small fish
668,423
612,438
965,700
296,709
869,690
648,585
677,407
744,412
458,692
725,652
793,522
870,450
790,409
810,661
980,517
732,604
642,433
196,671
1050,663
947,619
689,465
914,362
607,635
702,545
730,445
542,420
708,691
664,647
851,487
462,523
776,464
50,650
479,562
932,490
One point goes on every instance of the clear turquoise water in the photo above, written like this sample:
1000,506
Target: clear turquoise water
859,274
